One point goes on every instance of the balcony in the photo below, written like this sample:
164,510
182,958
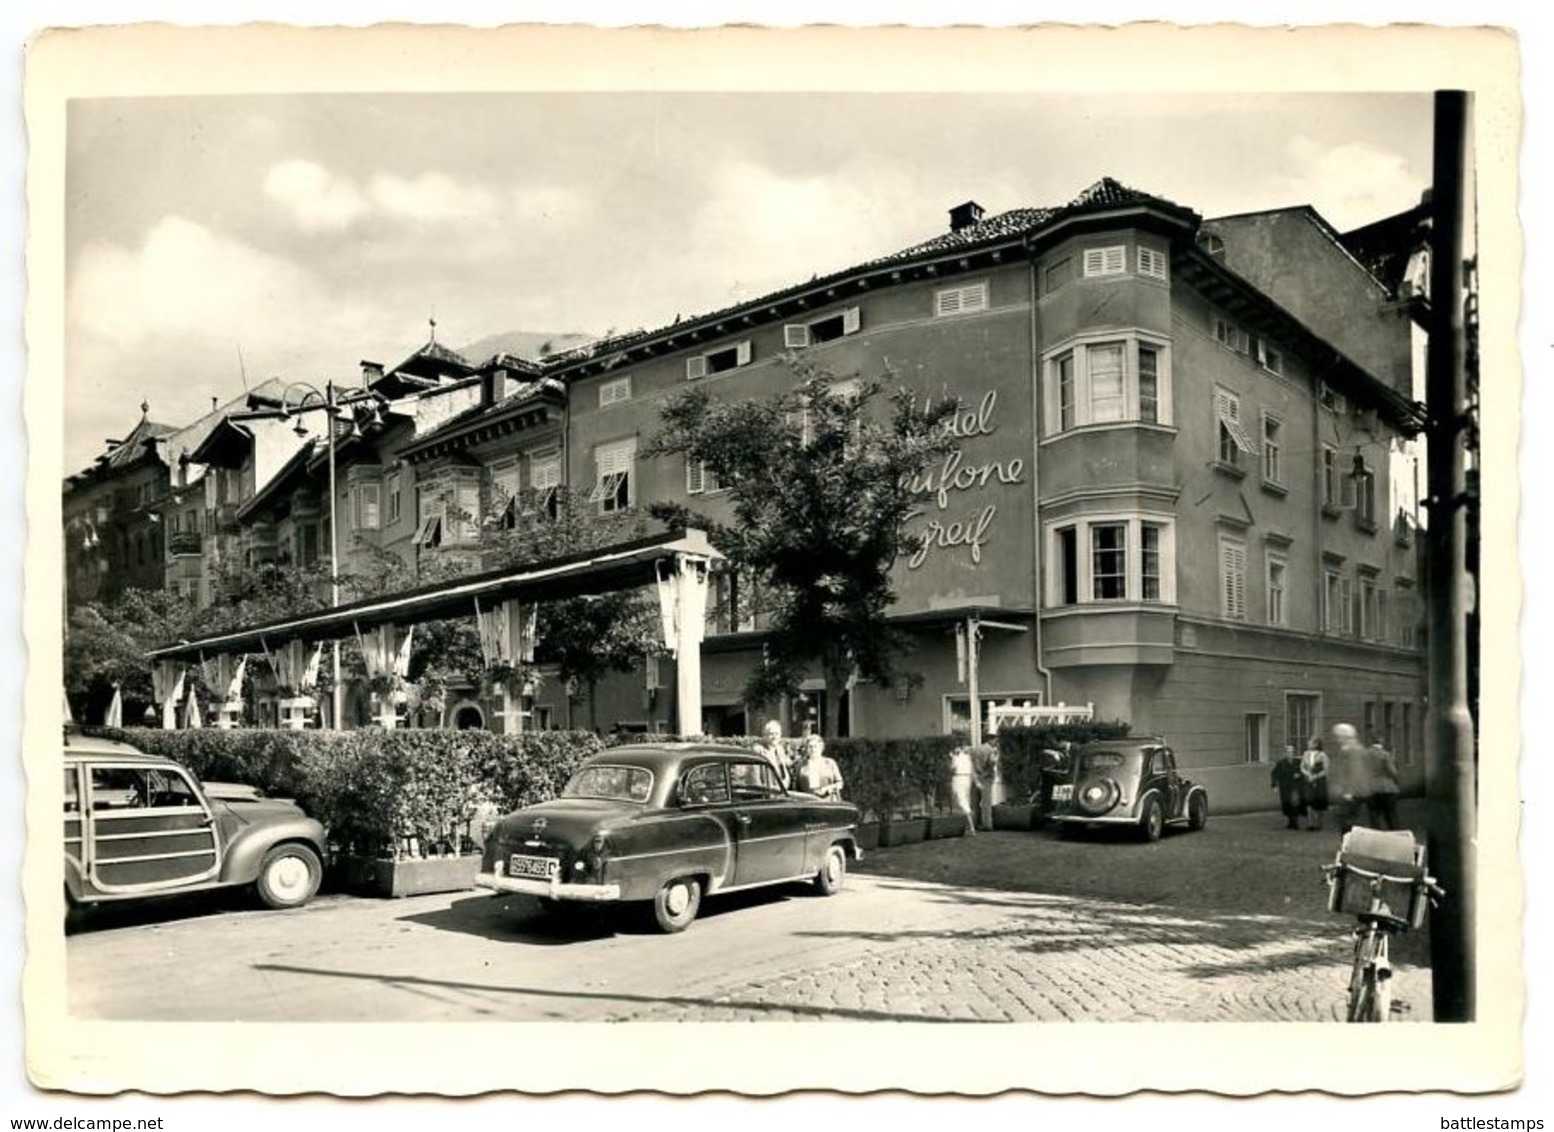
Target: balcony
184,543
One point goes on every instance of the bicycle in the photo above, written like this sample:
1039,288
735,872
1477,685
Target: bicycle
1376,897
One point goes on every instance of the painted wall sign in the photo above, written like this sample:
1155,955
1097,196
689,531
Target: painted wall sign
945,483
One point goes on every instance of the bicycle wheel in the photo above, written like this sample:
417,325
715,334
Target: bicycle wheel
1370,992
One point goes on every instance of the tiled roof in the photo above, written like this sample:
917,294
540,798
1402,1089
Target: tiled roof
484,413
133,446
1013,224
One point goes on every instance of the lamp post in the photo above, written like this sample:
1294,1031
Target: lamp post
331,407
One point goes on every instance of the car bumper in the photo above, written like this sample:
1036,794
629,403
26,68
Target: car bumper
550,889
1104,819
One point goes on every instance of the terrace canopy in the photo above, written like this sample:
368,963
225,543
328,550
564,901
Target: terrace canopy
676,564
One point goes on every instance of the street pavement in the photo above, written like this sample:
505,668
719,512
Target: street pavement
1224,925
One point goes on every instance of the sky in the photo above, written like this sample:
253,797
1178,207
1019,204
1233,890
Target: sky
303,234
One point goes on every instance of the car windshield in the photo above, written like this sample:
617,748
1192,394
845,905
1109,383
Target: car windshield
1102,760
620,783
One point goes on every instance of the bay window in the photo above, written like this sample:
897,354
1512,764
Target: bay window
1108,379
1097,559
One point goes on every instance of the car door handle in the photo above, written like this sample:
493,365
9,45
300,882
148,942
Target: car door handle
742,819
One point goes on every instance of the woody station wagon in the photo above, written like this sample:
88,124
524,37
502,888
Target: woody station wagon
139,825
665,825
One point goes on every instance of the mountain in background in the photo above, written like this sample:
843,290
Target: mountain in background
531,345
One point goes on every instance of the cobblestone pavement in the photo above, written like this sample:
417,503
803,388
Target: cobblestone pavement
1068,960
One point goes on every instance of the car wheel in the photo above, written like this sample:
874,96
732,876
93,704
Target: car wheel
289,876
676,904
1197,811
1152,820
833,872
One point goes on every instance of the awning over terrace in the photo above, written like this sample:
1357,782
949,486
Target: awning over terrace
675,564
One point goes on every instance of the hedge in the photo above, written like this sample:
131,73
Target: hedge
373,789
1020,758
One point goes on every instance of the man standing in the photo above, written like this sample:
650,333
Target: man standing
1384,786
984,764
772,749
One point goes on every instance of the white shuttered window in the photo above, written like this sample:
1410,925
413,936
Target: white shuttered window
1232,577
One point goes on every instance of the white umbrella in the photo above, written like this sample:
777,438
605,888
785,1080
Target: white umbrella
115,716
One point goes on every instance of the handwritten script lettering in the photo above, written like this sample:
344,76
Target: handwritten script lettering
955,472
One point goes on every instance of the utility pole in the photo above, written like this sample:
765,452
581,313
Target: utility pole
1451,784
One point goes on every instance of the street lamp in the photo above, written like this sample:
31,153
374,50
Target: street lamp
331,408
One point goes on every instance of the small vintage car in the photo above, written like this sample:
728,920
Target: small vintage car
666,825
1127,782
138,825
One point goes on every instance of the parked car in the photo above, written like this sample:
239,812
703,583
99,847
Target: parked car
665,825
138,825
1127,782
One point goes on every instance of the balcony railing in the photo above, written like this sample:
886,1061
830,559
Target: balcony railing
181,543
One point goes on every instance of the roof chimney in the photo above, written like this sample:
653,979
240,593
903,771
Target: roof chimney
965,215
371,371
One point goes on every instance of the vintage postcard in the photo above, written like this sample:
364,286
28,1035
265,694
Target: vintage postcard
549,542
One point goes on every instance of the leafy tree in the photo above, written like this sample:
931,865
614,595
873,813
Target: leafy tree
820,487
106,644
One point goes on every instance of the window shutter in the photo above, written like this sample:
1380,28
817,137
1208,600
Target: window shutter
947,302
1094,261
695,367
742,353
1114,261
795,336
852,319
695,477
370,506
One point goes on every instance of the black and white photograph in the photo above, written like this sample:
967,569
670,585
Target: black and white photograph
544,550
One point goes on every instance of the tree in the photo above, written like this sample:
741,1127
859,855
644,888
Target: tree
821,489
106,644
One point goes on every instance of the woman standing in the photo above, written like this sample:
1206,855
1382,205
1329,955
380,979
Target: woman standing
1313,774
962,771
818,774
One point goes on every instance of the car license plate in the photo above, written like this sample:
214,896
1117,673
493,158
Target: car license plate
1062,793
542,867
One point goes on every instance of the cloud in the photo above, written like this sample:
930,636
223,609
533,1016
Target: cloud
552,206
431,197
317,199
1350,184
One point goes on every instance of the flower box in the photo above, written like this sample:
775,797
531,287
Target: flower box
409,876
948,825
902,831
1010,815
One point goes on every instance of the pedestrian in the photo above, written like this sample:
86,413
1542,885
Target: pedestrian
1313,776
1384,785
1286,778
962,773
818,774
774,750
1350,774
984,766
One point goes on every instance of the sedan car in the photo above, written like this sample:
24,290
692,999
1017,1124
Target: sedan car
139,825
665,825
1130,782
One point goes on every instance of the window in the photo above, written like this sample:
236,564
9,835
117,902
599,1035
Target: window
449,508
1256,737
1108,381
1230,336
307,544
1058,274
1337,602
1106,261
966,299
1067,559
1268,357
1365,497
1388,723
1332,481
750,782
1109,561
1405,613
705,785
1232,577
1233,440
1329,398
730,602
699,479
798,335
1111,558
1149,384
613,465
394,498
504,492
1273,450
1149,561
545,482
1278,571
365,498
615,391
1214,245
1152,264
1302,718
718,361
1370,609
